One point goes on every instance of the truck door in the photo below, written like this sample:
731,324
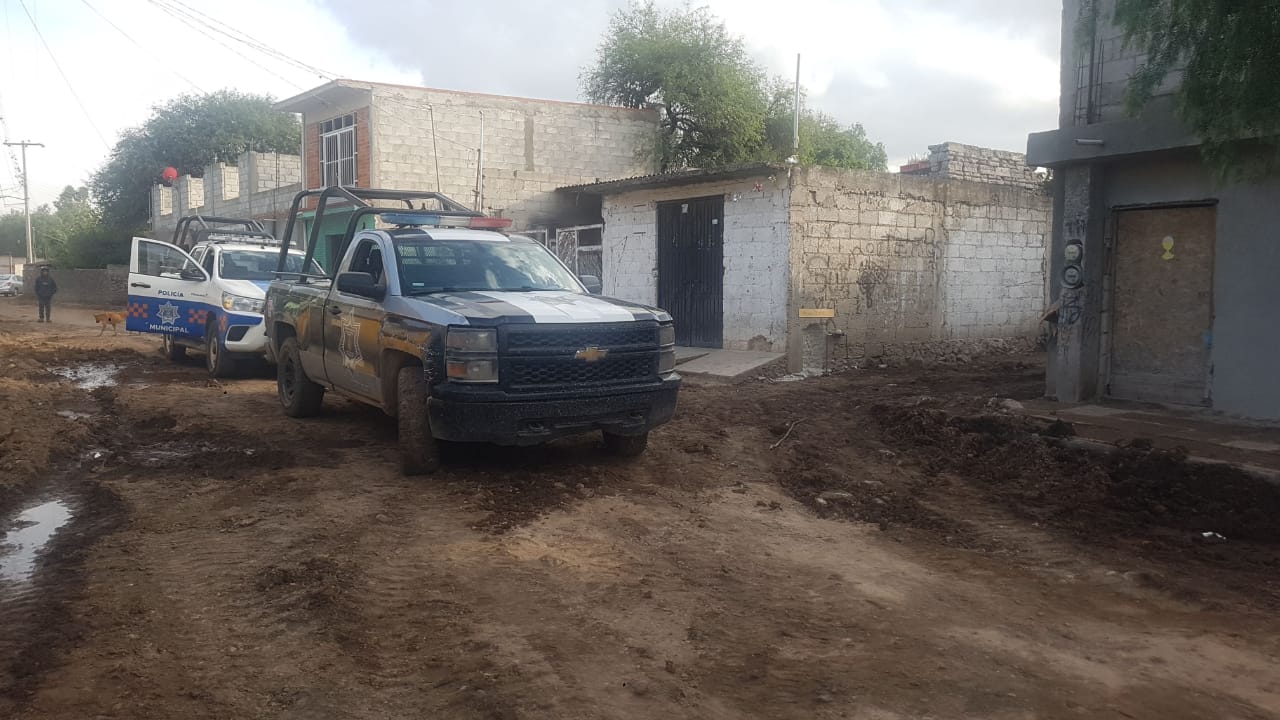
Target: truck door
352,324
168,292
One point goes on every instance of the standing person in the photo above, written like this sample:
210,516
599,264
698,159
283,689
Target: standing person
45,289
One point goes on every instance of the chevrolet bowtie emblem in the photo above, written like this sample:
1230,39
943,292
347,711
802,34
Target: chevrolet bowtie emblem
591,354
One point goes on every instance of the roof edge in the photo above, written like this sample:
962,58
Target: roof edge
679,177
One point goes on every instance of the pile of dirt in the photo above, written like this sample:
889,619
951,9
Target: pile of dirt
1023,463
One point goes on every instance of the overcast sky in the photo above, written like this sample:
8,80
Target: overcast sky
913,72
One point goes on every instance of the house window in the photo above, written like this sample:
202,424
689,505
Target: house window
338,151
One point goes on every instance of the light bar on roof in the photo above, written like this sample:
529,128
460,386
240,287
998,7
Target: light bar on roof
435,220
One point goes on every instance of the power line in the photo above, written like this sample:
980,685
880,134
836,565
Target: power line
129,37
65,79
246,39
196,26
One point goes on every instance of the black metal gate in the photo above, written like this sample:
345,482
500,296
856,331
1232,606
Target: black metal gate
691,269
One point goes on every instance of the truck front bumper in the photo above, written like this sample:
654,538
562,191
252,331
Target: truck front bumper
245,334
463,417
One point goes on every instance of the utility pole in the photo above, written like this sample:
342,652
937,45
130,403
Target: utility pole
795,126
26,195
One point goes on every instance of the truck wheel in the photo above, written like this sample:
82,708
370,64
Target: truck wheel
216,358
171,349
419,450
299,396
625,445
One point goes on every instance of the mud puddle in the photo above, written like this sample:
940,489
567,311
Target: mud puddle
90,376
33,529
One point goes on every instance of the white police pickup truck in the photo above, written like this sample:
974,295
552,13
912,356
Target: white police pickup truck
209,300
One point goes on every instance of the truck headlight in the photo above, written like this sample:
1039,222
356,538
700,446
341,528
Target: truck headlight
667,334
239,303
666,348
470,340
471,355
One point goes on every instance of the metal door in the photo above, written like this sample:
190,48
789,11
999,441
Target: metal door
691,269
1161,335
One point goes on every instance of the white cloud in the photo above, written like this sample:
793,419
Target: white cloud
914,72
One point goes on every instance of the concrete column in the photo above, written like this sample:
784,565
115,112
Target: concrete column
1081,218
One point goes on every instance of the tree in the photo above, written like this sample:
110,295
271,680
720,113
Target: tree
708,91
823,140
1230,89
716,107
188,133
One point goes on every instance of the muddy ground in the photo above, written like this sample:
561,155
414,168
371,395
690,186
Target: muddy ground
887,544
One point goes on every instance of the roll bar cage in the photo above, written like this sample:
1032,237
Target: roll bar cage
360,198
208,224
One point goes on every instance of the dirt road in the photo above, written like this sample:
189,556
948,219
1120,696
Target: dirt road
882,546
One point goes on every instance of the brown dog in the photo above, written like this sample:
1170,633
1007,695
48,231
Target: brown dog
109,318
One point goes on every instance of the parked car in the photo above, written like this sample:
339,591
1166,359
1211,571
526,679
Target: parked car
209,300
464,333
10,285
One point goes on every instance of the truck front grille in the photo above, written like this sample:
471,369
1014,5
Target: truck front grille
536,374
545,357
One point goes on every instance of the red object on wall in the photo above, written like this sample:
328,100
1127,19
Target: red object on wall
169,174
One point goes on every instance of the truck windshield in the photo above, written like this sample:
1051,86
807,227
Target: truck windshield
431,266
259,265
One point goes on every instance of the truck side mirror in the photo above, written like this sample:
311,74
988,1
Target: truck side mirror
361,284
593,284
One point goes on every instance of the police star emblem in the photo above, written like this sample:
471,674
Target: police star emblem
167,313
349,343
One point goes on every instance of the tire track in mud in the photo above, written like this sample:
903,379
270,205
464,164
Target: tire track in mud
37,624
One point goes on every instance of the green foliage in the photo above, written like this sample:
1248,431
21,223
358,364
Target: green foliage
1230,89
715,106
188,133
13,234
707,90
823,140
70,234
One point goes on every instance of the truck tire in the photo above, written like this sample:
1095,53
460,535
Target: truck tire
419,450
216,358
172,350
299,396
625,445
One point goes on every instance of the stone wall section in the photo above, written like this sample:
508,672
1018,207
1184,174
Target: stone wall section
755,254
956,161
909,262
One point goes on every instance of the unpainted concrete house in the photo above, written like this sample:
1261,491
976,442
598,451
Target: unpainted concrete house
363,134
834,266
1164,279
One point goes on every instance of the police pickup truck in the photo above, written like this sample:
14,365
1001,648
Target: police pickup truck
204,291
464,333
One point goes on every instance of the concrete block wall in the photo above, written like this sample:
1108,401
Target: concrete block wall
225,190
755,254
1117,60
531,147
968,162
993,261
264,172
100,288
914,262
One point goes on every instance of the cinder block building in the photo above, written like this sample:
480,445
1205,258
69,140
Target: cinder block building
504,155
1164,278
830,266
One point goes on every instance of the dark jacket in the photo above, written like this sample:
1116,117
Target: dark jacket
45,287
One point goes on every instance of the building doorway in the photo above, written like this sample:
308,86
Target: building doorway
1161,334
691,269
